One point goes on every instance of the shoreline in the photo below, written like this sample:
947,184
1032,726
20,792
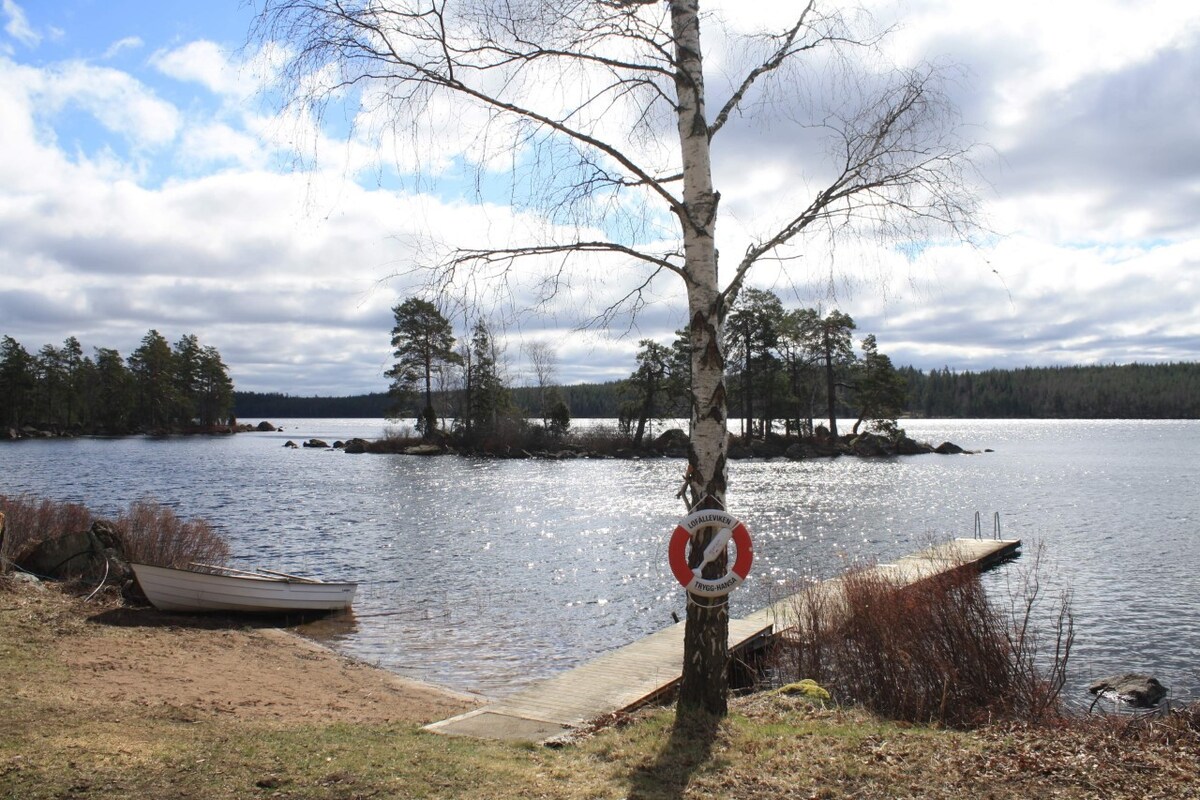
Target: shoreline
107,702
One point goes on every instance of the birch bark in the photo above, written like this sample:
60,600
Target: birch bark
706,632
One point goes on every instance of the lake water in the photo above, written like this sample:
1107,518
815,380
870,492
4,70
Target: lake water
486,575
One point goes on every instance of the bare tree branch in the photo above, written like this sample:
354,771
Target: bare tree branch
889,168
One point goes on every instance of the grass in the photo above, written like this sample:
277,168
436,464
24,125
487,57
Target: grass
773,745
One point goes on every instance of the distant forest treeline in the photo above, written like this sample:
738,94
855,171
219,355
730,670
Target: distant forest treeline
1134,391
591,400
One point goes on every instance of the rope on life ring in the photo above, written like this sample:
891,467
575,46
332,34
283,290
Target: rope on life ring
731,528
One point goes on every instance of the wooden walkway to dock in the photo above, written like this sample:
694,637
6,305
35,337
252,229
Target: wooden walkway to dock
640,672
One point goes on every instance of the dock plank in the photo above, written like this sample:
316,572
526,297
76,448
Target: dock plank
637,673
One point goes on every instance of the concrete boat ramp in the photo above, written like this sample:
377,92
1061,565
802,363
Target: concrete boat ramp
645,670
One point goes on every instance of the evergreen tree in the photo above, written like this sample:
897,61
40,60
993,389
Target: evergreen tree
75,365
152,366
559,419
646,389
423,342
880,392
751,336
488,399
186,365
51,385
113,394
800,363
829,338
16,382
213,389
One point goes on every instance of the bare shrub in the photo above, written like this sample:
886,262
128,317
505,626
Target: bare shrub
1039,653
29,521
154,534
934,651
598,438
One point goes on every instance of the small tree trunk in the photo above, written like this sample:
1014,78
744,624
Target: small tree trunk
831,392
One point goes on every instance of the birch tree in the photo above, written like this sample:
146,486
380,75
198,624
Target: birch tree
599,107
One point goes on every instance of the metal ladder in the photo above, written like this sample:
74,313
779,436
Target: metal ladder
995,526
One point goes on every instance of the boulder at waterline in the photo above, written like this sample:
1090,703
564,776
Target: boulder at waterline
1136,689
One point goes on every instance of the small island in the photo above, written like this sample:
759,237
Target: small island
159,389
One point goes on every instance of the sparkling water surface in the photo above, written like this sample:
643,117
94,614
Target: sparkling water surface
487,575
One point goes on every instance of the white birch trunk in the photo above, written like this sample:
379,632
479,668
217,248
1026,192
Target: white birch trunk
706,636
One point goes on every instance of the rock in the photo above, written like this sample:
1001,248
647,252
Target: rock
423,450
109,535
290,443
356,445
761,449
72,555
739,451
670,439
811,449
339,445
869,444
911,447
265,427
318,443
948,449
1139,691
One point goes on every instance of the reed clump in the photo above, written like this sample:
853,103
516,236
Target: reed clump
935,651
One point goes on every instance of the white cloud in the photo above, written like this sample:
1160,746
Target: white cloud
206,146
117,100
207,64
119,46
18,26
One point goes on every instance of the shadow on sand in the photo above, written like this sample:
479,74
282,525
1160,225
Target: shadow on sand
315,625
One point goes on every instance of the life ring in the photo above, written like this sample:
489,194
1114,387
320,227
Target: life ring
678,552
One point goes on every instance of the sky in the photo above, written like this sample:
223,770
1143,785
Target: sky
150,180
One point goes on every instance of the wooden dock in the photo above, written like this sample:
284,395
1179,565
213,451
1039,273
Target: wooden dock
640,672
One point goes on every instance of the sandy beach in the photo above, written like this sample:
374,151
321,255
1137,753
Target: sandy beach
117,657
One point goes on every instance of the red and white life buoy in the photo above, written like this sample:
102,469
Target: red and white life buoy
731,528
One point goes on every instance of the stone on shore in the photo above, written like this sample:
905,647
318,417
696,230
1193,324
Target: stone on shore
1139,691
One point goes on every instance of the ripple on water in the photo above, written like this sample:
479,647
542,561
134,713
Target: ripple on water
487,575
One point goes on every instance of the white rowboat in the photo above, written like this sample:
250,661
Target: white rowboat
237,590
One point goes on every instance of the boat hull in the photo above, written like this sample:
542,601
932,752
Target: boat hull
184,590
